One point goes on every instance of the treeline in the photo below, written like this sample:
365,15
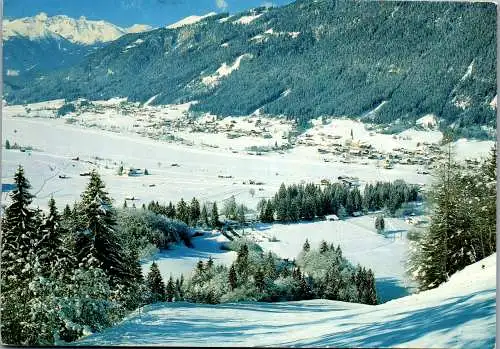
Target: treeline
463,222
254,276
295,202
207,216
189,212
64,275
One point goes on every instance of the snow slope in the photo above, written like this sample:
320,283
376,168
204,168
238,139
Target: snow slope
460,313
359,241
224,70
189,20
247,19
182,260
80,31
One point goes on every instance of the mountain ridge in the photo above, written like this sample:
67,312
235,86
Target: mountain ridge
309,59
77,31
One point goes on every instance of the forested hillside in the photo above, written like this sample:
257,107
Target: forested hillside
304,60
25,56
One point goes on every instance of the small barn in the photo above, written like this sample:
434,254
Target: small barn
134,172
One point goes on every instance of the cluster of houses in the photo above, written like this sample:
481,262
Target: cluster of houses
425,155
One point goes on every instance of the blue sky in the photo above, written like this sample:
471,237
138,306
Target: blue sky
128,12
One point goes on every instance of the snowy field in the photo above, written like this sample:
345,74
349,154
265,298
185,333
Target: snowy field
197,173
460,313
359,242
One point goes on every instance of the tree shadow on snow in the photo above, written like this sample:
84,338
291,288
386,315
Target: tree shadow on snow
415,324
389,288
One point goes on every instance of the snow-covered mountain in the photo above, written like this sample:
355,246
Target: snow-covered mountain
41,43
77,31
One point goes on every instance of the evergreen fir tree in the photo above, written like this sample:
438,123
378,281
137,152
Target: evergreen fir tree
98,237
214,218
281,203
204,216
306,247
155,284
259,280
170,211
269,212
232,277
170,292
19,229
270,267
342,212
242,263
323,247
305,291
371,291
449,244
194,212
54,259
67,211
178,291
182,211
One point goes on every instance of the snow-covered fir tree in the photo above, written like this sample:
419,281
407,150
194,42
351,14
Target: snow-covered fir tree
194,212
19,229
204,216
156,286
232,277
98,236
170,290
462,222
214,217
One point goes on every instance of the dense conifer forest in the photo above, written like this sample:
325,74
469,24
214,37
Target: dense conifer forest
411,59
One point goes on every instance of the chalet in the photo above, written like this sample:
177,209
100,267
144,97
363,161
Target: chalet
134,172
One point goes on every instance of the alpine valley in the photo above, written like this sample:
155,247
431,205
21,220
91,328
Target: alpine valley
321,173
